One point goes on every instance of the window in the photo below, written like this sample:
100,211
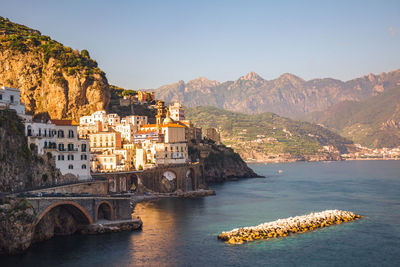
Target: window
11,98
71,134
61,147
166,148
83,166
1,97
70,147
40,131
70,157
172,155
45,144
70,166
60,134
84,147
83,157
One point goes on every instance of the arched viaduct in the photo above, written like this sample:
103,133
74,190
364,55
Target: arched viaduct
162,179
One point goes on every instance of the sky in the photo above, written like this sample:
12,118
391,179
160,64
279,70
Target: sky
146,44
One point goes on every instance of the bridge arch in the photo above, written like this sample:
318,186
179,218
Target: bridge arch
66,203
104,210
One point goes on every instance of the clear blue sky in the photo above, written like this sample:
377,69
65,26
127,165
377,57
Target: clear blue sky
145,44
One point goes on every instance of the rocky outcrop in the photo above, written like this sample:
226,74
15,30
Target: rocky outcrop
220,163
17,219
112,227
52,78
20,166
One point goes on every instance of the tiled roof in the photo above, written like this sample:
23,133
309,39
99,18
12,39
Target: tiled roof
65,122
174,125
149,126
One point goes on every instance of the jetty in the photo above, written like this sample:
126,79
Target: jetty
285,227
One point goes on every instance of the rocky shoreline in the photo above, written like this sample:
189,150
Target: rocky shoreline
285,227
102,227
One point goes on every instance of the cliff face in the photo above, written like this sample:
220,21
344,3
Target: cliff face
21,167
288,95
17,219
220,163
52,78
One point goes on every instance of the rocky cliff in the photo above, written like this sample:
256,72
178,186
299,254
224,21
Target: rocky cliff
20,166
288,95
52,78
220,163
17,219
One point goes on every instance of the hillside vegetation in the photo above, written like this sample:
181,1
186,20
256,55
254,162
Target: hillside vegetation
267,134
52,78
374,122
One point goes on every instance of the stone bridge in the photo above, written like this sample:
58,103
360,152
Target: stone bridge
85,210
162,179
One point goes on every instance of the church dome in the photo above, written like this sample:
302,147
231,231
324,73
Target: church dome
167,120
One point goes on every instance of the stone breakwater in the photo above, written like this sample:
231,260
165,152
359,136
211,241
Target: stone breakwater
285,227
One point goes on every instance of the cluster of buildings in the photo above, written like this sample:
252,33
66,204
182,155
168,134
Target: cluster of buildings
128,143
104,142
58,137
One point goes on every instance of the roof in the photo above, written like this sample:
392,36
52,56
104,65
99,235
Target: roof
65,122
172,125
149,126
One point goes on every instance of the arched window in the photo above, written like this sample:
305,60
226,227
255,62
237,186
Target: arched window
70,166
83,148
45,144
83,166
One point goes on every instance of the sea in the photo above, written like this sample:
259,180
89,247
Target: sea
183,232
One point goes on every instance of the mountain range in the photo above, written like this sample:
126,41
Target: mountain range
270,137
373,122
287,95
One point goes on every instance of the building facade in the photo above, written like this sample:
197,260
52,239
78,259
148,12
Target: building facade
10,99
72,153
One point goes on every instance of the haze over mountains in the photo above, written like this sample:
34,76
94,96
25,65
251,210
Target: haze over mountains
287,95
373,122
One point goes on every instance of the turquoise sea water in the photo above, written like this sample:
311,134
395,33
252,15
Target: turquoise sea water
183,232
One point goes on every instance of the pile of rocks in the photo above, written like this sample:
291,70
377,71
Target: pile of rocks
284,227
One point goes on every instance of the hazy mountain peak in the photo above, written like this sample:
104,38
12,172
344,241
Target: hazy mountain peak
202,82
291,77
251,76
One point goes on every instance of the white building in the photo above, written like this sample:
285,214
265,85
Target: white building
10,99
177,112
127,130
113,119
41,134
92,119
136,120
72,153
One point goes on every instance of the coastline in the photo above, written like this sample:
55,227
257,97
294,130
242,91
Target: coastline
289,161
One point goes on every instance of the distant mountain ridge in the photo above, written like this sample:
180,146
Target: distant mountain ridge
270,137
287,95
373,122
